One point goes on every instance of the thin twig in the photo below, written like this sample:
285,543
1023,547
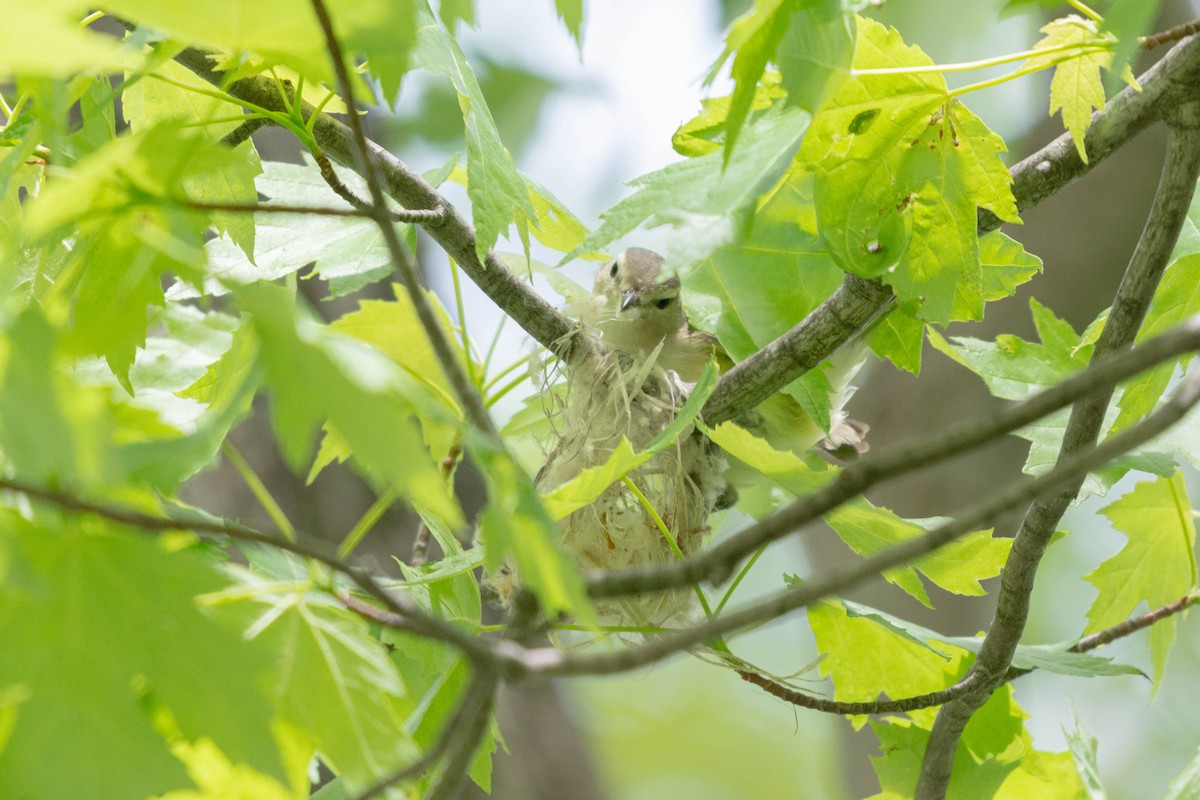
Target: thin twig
418,216
406,615
546,662
420,547
1099,639
716,562
1169,35
1167,215
466,392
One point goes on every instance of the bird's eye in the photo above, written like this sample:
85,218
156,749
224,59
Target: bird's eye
613,269
666,301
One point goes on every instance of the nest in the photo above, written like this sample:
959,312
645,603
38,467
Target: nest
608,399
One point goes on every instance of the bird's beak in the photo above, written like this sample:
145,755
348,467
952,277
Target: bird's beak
629,300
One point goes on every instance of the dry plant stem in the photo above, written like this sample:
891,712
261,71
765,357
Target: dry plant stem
406,615
1167,214
1174,79
470,399
547,662
937,698
715,563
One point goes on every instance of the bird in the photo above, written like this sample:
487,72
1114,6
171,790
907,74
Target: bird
639,312
644,313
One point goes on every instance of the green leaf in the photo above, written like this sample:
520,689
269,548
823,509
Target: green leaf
331,678
899,337
900,170
867,660
61,46
707,202
515,522
383,31
1055,658
348,252
812,42
1176,298
1076,88
150,101
591,482
1186,785
393,328
988,754
1083,751
1006,265
958,567
83,576
1043,776
571,14
494,186
1157,565
1127,20
317,376
815,53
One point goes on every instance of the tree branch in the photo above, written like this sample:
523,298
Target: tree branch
1174,79
548,662
716,562
468,396
406,615
1099,639
1167,215
455,235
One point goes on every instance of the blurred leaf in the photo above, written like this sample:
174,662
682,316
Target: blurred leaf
383,31
51,431
151,101
1083,751
811,40
1186,785
331,678
900,170
515,523
706,201
317,376
348,252
82,577
703,133
1127,20
494,186
571,14
61,46
1157,564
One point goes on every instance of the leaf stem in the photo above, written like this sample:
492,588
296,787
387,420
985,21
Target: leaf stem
1082,8
367,521
259,490
985,63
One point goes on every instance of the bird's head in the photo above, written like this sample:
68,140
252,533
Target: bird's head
630,286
